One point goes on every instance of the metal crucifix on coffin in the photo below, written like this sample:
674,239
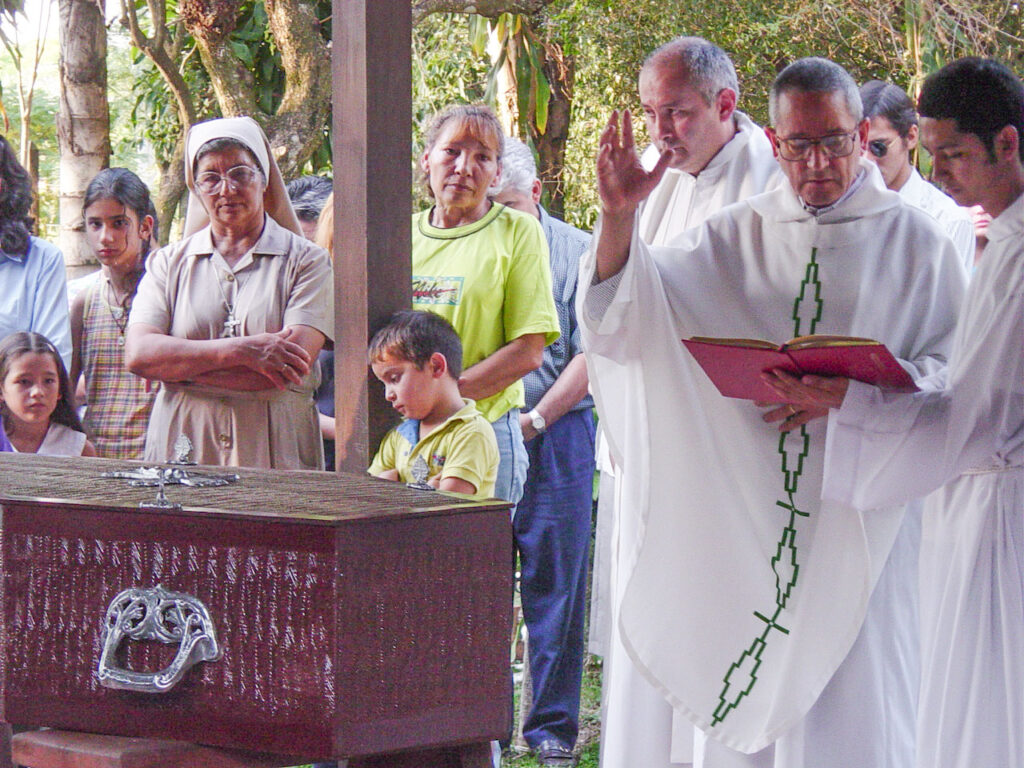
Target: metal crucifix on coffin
159,477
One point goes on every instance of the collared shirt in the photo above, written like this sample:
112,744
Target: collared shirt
819,210
33,295
189,292
566,244
463,446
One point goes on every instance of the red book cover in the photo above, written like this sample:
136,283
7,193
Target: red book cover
735,365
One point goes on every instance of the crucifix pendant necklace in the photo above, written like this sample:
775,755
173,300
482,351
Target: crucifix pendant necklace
119,309
231,322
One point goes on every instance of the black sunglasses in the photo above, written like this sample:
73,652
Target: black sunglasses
879,148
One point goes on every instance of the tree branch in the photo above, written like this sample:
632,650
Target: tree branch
489,8
296,130
211,23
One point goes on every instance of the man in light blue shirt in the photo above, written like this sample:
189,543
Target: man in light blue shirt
33,295
552,521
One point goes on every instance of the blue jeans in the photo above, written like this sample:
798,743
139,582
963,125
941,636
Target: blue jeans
552,534
513,460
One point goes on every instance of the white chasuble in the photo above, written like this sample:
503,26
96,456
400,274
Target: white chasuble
969,439
744,592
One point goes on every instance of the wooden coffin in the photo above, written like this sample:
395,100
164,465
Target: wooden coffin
354,616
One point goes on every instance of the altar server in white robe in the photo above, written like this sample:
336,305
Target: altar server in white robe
967,438
891,138
772,621
689,92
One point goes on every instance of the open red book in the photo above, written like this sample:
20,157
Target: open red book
735,365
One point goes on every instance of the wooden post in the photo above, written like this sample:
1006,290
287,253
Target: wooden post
372,73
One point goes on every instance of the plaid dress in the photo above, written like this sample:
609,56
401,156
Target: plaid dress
118,402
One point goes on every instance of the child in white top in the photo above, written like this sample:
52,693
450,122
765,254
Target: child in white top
35,399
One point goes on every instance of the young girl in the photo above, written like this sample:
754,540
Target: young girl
35,399
119,224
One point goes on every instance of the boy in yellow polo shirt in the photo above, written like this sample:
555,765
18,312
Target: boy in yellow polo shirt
418,358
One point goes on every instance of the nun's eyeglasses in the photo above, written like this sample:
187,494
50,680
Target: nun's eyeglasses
239,177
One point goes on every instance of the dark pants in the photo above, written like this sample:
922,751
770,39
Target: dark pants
552,533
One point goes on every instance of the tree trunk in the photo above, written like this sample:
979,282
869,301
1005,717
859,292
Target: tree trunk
170,192
560,71
295,131
163,47
83,124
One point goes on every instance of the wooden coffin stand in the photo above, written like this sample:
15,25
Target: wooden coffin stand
356,619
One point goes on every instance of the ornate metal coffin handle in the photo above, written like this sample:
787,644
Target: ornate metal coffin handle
156,614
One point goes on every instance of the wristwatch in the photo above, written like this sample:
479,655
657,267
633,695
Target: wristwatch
537,420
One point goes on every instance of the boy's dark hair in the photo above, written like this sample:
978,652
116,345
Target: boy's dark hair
415,335
891,102
981,95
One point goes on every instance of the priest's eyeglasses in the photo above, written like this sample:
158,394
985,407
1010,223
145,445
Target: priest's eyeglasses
833,145
238,177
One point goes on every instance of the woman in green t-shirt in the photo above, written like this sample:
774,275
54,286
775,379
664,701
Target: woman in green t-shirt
484,267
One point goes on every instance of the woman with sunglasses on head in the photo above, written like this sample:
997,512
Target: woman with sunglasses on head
230,319
891,138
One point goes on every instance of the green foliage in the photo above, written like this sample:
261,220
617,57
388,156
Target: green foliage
154,116
609,39
518,41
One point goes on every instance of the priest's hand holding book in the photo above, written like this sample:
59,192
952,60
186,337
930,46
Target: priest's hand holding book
807,397
806,375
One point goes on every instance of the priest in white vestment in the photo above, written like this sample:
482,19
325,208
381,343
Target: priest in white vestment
689,91
967,438
774,622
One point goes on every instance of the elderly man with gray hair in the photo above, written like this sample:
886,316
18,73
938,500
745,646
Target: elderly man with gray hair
552,522
781,625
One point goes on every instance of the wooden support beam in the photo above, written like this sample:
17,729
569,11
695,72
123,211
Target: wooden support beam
372,72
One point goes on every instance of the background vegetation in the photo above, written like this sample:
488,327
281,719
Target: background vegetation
565,64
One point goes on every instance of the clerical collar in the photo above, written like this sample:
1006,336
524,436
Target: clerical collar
814,211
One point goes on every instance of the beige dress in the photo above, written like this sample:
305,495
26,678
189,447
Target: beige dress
284,280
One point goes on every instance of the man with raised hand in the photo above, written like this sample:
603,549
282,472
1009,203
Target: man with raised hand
776,623
688,91
718,156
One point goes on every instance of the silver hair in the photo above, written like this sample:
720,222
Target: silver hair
708,68
815,75
518,168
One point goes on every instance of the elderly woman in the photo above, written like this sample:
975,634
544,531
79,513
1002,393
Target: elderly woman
484,267
231,318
